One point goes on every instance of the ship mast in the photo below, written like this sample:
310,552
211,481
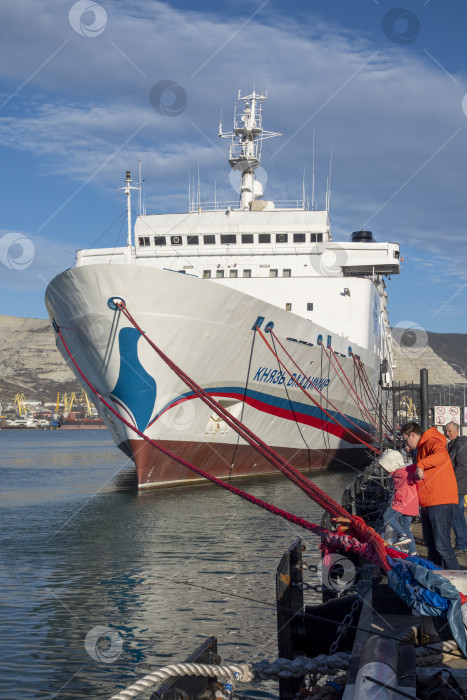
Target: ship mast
245,150
127,190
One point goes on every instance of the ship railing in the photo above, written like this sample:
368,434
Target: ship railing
237,249
233,205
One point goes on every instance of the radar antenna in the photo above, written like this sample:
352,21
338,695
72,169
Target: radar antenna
245,149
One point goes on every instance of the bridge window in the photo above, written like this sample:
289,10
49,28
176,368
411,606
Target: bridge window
286,273
299,238
144,240
206,274
233,273
219,273
192,240
247,238
316,237
209,240
227,238
247,273
273,273
176,240
282,237
264,238
309,306
159,240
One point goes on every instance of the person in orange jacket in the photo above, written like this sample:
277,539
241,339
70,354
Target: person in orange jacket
437,491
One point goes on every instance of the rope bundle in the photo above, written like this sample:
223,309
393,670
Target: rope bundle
185,669
263,670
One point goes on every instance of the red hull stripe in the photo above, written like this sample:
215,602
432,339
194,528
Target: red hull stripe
280,408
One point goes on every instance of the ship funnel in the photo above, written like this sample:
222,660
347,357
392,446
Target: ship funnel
362,237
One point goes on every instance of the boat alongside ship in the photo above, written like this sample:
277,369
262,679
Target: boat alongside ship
53,424
25,424
202,284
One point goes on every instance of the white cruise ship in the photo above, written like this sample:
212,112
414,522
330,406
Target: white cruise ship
200,284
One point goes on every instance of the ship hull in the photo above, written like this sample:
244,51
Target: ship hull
82,425
208,331
155,469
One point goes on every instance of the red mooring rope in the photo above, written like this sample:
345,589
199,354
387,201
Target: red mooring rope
365,380
347,430
265,450
361,430
366,534
343,374
375,551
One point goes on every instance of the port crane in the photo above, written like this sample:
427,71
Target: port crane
410,407
20,402
84,398
71,399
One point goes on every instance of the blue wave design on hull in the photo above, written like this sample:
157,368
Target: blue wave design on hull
135,388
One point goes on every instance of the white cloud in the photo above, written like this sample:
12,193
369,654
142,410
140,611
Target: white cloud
385,112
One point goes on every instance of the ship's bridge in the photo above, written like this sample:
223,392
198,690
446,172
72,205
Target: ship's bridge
235,244
297,241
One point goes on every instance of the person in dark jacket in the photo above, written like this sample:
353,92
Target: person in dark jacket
457,448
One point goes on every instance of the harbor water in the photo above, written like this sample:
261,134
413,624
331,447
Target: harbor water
102,584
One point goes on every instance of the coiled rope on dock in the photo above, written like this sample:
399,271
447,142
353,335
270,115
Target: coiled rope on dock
262,670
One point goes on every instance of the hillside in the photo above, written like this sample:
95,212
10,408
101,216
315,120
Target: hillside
444,355
30,363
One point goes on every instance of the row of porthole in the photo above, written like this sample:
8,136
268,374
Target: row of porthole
319,340
233,273
270,325
309,306
230,239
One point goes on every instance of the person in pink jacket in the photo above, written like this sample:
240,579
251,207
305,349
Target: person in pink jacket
405,502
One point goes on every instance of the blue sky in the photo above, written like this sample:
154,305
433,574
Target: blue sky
381,85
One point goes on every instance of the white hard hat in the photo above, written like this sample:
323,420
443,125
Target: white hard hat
391,460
